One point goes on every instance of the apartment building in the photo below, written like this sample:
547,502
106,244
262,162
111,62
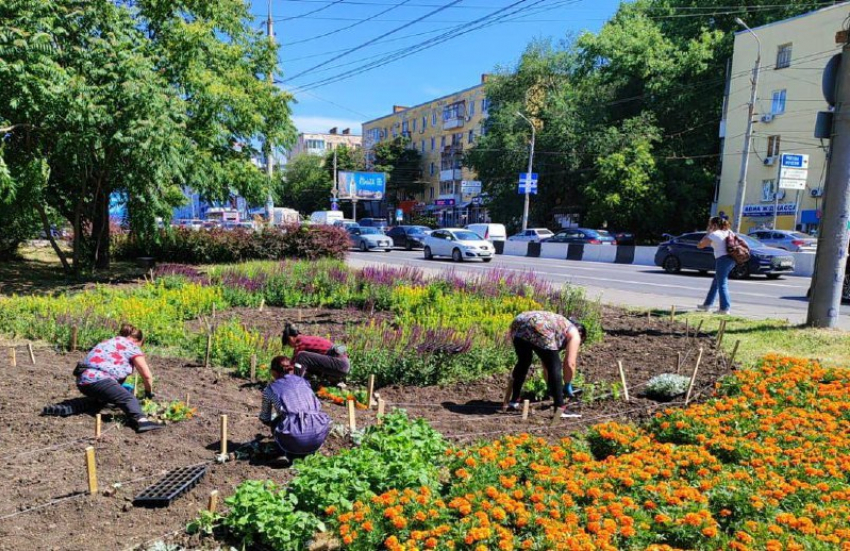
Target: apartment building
441,129
793,55
316,143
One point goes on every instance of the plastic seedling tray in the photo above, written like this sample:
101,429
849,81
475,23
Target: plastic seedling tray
170,487
74,406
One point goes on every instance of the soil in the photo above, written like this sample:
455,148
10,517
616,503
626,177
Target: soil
44,459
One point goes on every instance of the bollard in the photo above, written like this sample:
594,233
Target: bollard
91,470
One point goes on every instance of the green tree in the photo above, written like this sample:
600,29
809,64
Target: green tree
304,184
401,161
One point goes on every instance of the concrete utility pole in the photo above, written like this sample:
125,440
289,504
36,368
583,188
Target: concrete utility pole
335,188
530,163
748,135
267,147
831,259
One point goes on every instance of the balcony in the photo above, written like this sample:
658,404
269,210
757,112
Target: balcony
456,122
450,175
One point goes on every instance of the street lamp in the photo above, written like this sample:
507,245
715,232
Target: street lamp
745,159
530,161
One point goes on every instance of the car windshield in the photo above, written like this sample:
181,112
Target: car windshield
604,233
799,235
370,231
467,236
417,229
544,232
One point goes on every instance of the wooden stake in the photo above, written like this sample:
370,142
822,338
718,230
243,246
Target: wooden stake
300,317
13,357
352,422
693,377
720,332
208,353
253,366
508,391
525,406
262,303
687,327
224,435
623,380
74,338
649,314
91,470
152,278
370,394
699,329
678,363
381,406
672,313
734,351
212,504
32,355
97,425
187,400
213,312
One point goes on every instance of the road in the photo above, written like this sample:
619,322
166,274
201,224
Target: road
631,285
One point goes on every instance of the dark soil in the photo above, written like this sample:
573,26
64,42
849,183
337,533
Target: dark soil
44,456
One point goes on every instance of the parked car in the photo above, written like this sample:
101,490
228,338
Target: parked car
794,241
681,253
584,236
345,223
380,223
622,237
533,235
369,239
459,244
490,232
409,237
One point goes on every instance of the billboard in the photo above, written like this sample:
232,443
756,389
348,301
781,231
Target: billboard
364,186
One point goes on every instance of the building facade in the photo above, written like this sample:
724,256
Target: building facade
314,143
441,129
794,53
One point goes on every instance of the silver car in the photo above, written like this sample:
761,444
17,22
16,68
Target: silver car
369,239
794,241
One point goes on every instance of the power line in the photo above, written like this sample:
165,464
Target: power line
347,27
307,14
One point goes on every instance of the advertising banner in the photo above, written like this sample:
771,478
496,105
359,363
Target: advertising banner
363,186
767,210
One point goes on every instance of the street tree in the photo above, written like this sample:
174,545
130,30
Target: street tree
304,184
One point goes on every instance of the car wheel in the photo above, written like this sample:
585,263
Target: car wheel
388,249
363,246
772,276
486,259
428,255
408,246
703,272
671,265
740,272
457,256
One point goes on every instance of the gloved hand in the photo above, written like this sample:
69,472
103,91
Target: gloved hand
148,395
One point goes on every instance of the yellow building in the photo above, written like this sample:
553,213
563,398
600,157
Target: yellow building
441,130
319,143
793,55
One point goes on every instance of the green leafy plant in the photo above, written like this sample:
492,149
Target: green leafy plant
666,386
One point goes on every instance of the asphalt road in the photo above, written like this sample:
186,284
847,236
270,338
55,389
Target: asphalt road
634,286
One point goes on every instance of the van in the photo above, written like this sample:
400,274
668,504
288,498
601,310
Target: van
490,232
326,217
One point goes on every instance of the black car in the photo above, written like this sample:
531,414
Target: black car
585,236
681,253
409,237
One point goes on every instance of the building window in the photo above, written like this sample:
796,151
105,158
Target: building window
315,144
783,56
442,142
432,193
767,190
432,173
433,143
454,111
485,105
414,125
773,146
471,137
434,117
422,145
777,106
424,123
471,108
404,127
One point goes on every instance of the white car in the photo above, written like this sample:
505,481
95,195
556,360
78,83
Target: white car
533,235
369,239
459,244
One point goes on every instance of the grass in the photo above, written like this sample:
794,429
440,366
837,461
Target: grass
830,347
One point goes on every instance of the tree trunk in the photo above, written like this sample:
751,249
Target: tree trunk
100,229
46,225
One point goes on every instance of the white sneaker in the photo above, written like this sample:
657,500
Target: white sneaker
723,312
566,414
514,406
703,308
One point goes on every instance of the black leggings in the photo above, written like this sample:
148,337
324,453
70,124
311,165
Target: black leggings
110,392
551,361
332,368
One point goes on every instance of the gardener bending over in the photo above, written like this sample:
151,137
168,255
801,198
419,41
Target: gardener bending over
546,334
105,368
315,355
293,412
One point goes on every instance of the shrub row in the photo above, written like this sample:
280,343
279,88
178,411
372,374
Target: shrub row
217,245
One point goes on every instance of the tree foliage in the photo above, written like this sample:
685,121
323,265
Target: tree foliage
626,118
136,99
305,184
402,163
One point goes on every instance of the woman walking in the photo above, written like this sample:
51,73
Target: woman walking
718,231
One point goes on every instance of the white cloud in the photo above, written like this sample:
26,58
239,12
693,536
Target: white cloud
323,124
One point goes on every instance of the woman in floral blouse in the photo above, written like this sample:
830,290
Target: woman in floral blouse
546,334
105,368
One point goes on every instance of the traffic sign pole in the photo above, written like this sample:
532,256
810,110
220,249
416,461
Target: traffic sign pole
530,163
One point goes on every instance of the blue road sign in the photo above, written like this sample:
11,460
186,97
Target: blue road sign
793,160
528,183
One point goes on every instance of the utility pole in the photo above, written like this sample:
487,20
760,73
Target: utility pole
267,147
748,135
334,189
831,259
528,184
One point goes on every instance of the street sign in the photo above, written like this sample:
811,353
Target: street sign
793,171
444,202
399,214
528,183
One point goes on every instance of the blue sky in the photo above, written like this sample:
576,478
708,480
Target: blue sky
452,65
